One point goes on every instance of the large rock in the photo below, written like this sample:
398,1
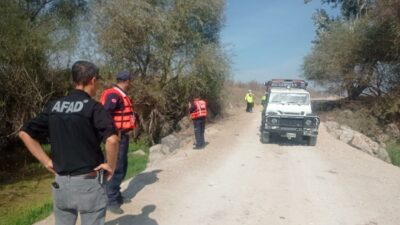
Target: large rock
155,149
155,154
369,146
138,152
358,140
171,142
345,134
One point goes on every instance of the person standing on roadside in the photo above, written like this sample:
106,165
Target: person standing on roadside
264,100
76,125
264,103
249,98
198,114
120,106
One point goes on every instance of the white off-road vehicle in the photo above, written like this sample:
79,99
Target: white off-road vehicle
288,112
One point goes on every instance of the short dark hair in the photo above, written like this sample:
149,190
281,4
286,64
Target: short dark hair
83,71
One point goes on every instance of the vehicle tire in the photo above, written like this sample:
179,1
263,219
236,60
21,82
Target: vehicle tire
265,137
312,140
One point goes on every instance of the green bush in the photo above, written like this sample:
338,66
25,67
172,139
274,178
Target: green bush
393,148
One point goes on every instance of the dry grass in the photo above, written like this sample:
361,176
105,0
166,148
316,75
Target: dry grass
233,94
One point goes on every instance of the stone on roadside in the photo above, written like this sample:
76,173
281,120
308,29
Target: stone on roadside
170,141
360,142
366,144
155,154
346,134
139,152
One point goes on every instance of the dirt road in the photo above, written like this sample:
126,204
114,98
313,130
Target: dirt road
238,180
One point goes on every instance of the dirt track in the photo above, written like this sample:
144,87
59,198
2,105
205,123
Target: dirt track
238,180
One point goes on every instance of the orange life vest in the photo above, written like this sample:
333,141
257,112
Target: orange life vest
123,119
201,109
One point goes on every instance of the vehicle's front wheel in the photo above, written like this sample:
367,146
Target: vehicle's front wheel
265,137
312,140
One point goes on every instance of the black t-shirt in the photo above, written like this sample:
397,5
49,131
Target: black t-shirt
76,124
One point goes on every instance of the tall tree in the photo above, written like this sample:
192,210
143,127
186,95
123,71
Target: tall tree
31,31
169,43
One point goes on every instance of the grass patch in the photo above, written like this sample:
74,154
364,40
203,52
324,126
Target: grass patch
33,214
137,163
28,199
393,149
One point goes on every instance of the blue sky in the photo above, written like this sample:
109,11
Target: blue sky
268,38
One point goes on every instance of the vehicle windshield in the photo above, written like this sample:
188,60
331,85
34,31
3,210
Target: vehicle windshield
290,98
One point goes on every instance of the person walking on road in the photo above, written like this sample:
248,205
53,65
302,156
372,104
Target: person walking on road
249,98
76,125
120,106
198,114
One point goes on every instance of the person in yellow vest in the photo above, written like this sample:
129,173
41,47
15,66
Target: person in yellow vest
198,114
264,103
264,100
249,98
120,106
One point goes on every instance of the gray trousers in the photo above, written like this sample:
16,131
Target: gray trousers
75,194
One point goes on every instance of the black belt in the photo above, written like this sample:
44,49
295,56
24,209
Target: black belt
90,175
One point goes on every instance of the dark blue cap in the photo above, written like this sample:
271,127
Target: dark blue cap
124,75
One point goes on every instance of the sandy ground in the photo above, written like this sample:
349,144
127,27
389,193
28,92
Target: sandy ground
238,180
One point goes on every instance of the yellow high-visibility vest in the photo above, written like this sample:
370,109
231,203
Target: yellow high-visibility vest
249,98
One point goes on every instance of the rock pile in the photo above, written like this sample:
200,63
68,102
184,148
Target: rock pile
171,143
358,140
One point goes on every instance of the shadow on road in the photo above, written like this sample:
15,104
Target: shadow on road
141,219
139,182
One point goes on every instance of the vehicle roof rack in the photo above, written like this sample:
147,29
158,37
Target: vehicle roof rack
285,83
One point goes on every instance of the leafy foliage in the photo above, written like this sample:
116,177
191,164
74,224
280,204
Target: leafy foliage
173,47
31,32
359,52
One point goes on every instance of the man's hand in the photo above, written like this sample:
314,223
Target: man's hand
49,166
36,149
107,168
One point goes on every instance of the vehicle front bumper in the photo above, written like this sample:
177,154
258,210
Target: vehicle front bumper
290,131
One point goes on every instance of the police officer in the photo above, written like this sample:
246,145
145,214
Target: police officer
120,106
198,114
76,126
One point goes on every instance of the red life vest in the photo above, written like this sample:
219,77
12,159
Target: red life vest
201,109
123,119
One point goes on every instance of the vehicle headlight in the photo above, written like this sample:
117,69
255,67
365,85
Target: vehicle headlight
308,122
274,120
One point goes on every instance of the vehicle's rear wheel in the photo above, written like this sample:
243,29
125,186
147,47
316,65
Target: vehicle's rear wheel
312,140
265,137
